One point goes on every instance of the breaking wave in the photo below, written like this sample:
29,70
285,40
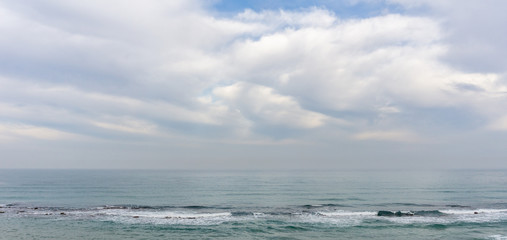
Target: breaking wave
205,215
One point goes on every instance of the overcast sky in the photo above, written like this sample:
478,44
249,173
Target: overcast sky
257,84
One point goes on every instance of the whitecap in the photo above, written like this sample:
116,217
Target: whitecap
477,211
497,237
339,218
346,214
455,216
164,217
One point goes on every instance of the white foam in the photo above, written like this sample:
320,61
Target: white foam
197,217
165,217
498,237
454,216
348,218
259,215
338,220
133,215
346,214
418,219
468,212
162,214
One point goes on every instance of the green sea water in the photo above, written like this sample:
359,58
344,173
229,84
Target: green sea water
142,204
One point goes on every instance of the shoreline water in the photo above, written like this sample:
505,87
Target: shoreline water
253,205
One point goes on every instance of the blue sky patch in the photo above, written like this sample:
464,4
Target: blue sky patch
343,9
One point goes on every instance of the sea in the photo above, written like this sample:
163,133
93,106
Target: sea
292,204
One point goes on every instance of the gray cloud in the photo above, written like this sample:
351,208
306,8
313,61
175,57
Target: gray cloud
474,31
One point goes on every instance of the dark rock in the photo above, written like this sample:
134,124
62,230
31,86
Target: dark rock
394,214
385,214
62,213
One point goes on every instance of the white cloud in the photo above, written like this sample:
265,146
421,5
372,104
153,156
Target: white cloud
341,66
397,135
351,64
68,105
274,20
388,109
14,131
128,125
309,56
263,104
499,124
474,31
288,68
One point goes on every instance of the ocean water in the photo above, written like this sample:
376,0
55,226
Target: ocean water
142,204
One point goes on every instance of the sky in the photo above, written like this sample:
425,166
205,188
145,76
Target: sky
255,84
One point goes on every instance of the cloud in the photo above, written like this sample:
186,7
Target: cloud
51,105
357,65
294,68
398,136
276,20
340,67
15,131
474,29
499,124
162,71
262,104
128,125
306,65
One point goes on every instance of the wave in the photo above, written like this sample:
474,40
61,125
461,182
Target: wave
205,215
346,214
152,207
498,237
457,206
434,213
311,206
